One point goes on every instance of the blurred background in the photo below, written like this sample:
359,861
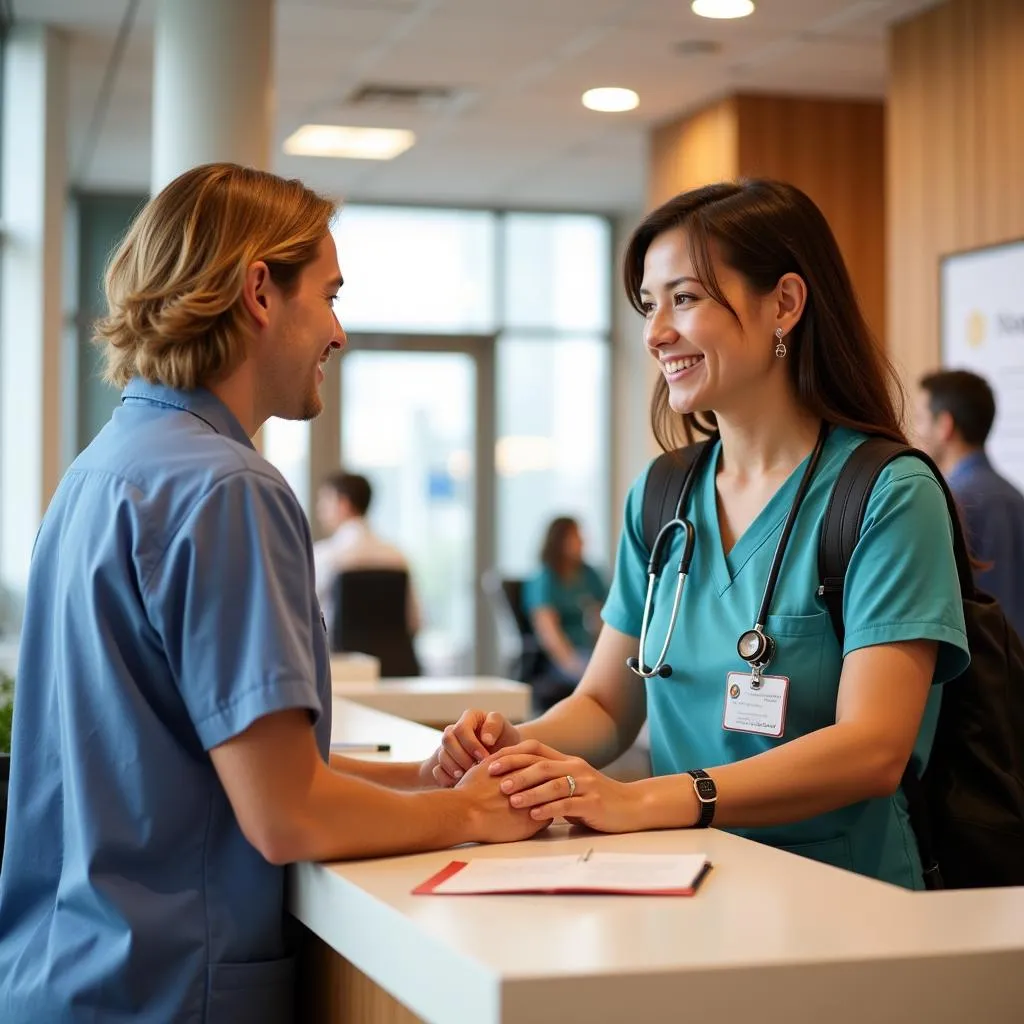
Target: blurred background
494,377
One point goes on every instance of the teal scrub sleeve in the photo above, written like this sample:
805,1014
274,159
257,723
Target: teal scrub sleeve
539,591
596,586
624,608
232,598
902,582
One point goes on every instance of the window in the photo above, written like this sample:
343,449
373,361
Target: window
552,450
533,292
426,271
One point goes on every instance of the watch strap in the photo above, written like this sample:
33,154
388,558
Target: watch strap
707,804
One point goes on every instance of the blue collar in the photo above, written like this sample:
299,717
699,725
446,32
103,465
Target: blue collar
969,464
202,404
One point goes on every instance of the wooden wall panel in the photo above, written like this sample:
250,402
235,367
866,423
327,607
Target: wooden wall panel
693,151
954,156
834,151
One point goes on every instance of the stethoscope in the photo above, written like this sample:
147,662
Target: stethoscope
754,646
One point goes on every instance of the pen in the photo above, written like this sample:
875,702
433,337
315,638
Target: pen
369,748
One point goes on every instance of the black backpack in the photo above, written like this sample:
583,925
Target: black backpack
967,810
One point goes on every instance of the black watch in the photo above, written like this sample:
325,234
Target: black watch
707,793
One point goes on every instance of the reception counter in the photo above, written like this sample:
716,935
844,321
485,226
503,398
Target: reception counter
769,937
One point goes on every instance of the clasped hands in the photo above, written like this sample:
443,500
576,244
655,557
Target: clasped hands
532,775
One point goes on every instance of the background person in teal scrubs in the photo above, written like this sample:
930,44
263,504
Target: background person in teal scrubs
173,720
750,313
564,601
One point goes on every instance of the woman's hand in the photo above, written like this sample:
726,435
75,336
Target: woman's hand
468,742
537,777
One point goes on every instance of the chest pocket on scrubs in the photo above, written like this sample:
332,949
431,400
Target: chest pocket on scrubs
805,658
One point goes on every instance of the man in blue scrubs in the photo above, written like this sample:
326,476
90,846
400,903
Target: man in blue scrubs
172,724
953,417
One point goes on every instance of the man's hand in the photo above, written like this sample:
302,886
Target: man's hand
425,775
470,740
491,818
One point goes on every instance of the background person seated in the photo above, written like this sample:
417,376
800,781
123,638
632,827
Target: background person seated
564,602
342,503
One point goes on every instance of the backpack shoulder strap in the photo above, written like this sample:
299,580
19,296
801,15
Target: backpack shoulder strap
669,474
844,516
840,531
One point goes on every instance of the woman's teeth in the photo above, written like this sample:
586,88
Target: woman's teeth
677,365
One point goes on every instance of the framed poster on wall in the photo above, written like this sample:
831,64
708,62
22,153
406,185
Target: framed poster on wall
981,317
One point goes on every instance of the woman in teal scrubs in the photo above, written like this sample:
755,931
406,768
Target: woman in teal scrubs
750,314
564,601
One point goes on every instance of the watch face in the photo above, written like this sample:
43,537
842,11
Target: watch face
706,789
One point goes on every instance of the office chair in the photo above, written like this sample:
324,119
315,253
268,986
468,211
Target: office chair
530,665
371,617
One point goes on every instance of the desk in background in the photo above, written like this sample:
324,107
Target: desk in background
438,701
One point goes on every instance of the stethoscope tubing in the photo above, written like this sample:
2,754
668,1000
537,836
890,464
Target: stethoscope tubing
765,648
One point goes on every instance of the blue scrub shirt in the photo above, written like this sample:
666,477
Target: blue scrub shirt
170,605
901,585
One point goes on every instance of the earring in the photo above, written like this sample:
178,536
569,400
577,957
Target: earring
780,345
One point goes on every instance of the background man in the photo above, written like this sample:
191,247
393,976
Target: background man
954,413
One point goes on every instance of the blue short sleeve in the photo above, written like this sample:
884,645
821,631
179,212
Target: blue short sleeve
232,598
623,610
902,581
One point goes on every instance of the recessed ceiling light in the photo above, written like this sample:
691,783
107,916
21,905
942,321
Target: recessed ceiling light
722,8
348,143
611,100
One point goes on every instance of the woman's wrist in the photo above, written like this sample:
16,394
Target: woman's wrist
668,801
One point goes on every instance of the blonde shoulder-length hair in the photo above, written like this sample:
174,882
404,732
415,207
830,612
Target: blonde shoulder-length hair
174,285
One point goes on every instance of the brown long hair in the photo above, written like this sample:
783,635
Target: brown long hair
764,229
552,553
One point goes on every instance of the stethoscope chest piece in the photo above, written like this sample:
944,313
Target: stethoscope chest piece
757,649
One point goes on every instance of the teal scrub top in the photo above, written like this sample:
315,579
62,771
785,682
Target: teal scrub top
576,602
901,585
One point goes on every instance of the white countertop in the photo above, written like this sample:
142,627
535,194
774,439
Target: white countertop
768,933
438,699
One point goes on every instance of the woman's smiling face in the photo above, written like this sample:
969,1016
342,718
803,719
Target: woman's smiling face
709,357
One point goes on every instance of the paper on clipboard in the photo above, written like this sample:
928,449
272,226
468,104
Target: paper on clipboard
650,874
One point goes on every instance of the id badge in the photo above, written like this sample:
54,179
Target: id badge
760,710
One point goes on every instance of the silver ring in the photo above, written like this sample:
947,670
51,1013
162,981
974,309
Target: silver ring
572,785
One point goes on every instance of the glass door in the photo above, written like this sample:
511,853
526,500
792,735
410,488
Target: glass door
412,416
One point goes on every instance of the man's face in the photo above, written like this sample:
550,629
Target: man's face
927,427
327,512
305,332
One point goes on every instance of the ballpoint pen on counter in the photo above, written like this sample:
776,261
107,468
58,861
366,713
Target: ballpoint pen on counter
361,748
